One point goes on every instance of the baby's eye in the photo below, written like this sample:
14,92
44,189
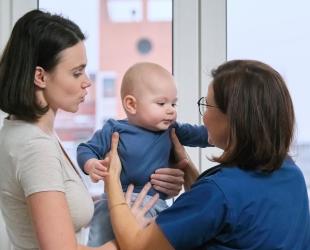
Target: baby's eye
174,105
161,103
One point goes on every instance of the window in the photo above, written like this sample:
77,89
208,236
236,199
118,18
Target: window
282,42
159,10
125,11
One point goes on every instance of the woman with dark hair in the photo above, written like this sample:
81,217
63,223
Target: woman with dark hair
256,198
43,199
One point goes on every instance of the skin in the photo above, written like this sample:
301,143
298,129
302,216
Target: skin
63,88
216,122
151,101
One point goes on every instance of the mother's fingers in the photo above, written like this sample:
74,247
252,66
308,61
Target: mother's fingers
150,204
114,142
141,196
128,194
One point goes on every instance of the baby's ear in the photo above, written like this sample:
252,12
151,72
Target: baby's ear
130,104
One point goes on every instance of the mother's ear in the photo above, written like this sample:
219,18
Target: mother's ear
39,77
40,85
130,104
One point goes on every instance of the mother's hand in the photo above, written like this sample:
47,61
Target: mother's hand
137,208
114,163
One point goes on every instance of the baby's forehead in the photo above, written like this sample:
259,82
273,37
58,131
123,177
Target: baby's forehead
144,77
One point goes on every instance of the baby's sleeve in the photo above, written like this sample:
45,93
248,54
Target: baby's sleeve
97,147
192,135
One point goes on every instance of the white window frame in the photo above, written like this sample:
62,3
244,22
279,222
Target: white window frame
199,45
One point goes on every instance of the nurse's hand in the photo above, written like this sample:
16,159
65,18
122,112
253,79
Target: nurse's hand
169,180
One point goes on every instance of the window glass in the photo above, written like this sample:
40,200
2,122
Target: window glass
125,11
277,32
119,34
159,10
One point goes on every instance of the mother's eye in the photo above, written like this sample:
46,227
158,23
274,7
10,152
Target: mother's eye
77,74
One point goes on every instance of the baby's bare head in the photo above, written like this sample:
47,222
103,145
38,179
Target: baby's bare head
143,77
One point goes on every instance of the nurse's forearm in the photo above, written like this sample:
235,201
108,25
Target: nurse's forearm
190,174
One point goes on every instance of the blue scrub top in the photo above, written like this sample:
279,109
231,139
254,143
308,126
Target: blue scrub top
239,209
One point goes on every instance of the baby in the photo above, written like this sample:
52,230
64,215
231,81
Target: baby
149,97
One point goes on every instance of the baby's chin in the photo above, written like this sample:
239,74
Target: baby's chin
160,128
165,126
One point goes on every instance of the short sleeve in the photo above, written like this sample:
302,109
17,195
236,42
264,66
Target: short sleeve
195,217
39,167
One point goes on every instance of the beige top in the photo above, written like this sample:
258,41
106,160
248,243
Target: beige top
31,161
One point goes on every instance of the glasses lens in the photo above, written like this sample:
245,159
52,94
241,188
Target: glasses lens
202,106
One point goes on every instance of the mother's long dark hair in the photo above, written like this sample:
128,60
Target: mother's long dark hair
261,117
37,39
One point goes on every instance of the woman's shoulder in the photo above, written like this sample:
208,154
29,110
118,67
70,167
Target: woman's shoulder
237,182
22,140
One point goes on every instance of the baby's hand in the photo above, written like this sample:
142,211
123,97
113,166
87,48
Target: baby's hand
97,169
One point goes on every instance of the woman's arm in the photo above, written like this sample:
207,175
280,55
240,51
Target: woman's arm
128,232
53,224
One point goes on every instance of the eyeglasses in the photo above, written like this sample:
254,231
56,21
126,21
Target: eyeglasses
203,105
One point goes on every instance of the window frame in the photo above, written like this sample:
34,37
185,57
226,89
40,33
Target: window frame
199,45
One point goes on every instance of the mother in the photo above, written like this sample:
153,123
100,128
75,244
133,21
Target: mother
43,199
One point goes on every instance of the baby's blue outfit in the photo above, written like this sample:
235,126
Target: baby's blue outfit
141,152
